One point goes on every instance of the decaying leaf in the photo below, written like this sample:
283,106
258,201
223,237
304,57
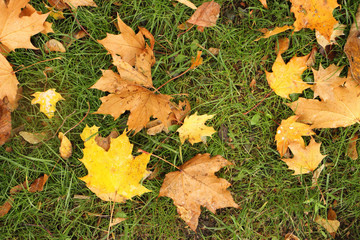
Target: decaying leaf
352,48
195,62
342,110
38,184
104,142
315,14
113,175
206,15
351,149
33,138
65,146
286,78
187,3
214,51
5,123
268,33
196,185
15,31
289,132
306,159
194,128
54,45
330,225
47,101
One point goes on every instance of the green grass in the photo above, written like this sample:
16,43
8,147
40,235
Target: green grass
272,201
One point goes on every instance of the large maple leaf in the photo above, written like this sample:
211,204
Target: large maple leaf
15,31
113,175
286,78
196,185
8,81
342,110
306,159
315,14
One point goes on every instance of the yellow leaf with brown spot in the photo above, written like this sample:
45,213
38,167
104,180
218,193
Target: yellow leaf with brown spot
47,101
289,132
194,129
113,175
306,159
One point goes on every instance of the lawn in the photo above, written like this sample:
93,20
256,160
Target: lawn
272,201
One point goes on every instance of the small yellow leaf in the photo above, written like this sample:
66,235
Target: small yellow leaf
47,101
113,175
194,129
330,225
65,146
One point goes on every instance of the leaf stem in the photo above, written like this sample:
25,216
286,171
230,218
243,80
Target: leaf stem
143,151
47,60
267,95
173,78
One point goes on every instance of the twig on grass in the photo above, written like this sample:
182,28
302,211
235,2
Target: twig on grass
267,95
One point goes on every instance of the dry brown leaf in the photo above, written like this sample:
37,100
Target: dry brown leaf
38,184
196,185
340,111
206,15
330,225
306,159
15,31
187,3
352,48
6,207
5,123
315,14
268,33
127,44
54,45
104,142
352,150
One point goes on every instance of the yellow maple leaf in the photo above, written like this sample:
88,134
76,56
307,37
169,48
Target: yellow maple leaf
113,175
47,101
194,128
306,159
315,14
286,78
289,132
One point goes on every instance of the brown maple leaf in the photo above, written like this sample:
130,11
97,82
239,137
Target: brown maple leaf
5,123
352,48
340,111
205,15
15,31
196,185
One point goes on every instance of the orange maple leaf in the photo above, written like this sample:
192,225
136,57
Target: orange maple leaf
15,31
315,14
289,132
286,78
196,185
306,159
8,81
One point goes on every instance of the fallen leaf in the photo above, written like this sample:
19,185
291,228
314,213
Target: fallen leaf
290,236
315,14
340,111
316,175
5,123
8,81
65,146
214,51
289,132
54,45
306,159
268,33
337,31
15,31
187,3
206,15
195,62
352,48
127,44
33,138
113,175
58,4
104,142
330,225
6,207
286,78
194,129
351,149
57,15
282,46
196,185
29,10
312,58
263,2
116,221
78,3
38,184
47,101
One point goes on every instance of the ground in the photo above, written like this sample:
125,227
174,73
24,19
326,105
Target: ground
272,201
